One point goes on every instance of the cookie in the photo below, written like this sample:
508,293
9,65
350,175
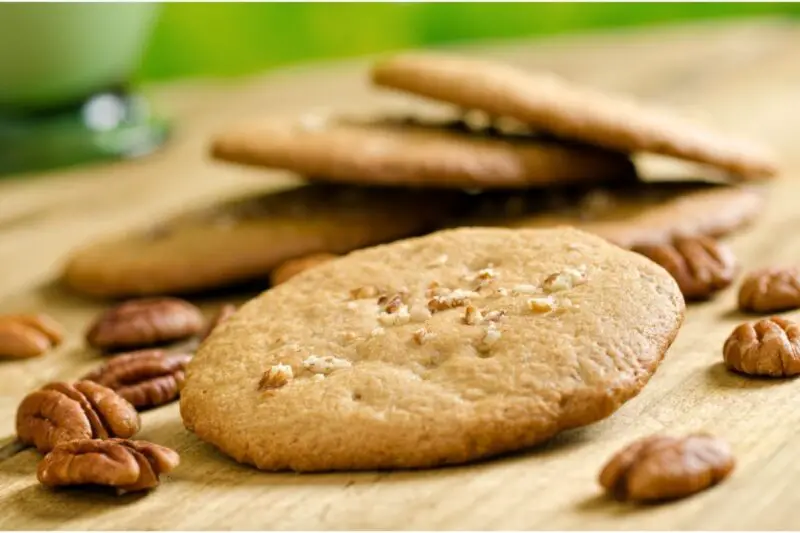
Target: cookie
626,214
245,238
435,350
569,111
400,152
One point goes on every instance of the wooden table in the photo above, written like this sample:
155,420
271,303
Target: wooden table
744,76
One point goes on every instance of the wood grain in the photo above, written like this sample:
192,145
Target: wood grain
744,76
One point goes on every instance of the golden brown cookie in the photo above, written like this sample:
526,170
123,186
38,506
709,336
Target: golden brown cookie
402,152
245,238
435,350
626,214
569,111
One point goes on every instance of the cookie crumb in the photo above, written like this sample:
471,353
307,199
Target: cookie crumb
542,304
484,277
564,280
352,306
472,315
502,291
276,377
326,364
318,377
422,335
398,318
434,289
377,332
349,336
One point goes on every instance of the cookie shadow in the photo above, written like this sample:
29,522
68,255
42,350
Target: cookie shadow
736,314
719,376
203,464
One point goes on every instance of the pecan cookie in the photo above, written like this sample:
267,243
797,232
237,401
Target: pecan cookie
436,350
627,214
389,152
569,111
244,239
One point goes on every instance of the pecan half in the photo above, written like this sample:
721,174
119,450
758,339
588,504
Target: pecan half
60,412
223,314
701,265
23,336
292,267
770,347
126,465
665,468
146,379
769,290
145,322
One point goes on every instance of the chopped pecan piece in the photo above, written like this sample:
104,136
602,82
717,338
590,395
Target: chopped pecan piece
145,322
147,378
702,266
770,290
276,377
292,267
24,336
126,465
61,412
770,347
665,468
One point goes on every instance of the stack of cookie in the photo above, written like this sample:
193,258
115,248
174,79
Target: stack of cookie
538,150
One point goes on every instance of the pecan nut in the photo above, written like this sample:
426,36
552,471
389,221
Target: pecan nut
665,468
701,265
23,336
769,290
223,314
146,379
60,412
292,267
144,322
770,347
126,465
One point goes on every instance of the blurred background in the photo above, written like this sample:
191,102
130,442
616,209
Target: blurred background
69,73
236,39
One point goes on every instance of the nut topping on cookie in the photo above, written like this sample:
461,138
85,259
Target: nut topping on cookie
541,304
491,337
564,280
770,347
450,300
472,315
276,377
325,365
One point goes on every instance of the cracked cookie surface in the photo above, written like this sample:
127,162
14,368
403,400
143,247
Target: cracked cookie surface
434,350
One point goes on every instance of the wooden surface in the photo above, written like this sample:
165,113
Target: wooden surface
744,77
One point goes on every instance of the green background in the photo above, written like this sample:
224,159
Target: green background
237,39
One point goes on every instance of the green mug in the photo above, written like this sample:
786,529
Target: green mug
65,97
55,54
